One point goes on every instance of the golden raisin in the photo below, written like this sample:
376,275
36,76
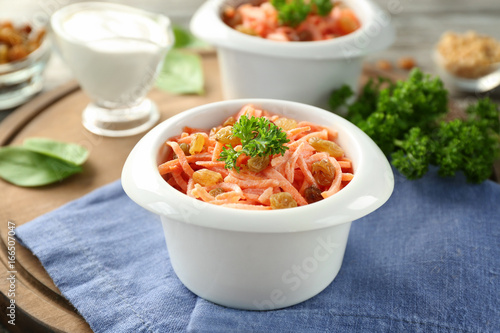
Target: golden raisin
246,30
216,191
313,194
323,172
286,124
206,177
258,163
229,122
326,146
197,144
282,200
213,131
185,148
225,136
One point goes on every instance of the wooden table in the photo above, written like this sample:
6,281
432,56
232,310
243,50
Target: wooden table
40,305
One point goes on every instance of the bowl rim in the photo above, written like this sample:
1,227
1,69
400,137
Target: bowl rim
375,34
56,19
143,183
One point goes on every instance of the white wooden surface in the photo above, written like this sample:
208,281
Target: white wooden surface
419,24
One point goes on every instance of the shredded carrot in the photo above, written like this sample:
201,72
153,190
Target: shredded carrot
229,196
347,176
285,185
335,187
345,164
181,157
172,165
201,192
250,196
190,187
210,164
293,132
256,191
172,182
247,206
191,130
179,180
217,151
322,135
305,170
244,189
265,196
245,175
252,183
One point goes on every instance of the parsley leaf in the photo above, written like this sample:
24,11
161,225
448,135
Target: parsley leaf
294,12
259,137
323,7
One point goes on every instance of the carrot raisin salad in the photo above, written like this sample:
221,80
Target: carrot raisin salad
259,161
293,20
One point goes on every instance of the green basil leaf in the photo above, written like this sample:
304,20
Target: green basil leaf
69,152
24,167
185,39
182,73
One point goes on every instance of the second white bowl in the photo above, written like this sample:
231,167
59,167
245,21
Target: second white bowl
307,72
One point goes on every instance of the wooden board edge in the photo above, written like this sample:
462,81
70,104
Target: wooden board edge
16,121
25,307
30,281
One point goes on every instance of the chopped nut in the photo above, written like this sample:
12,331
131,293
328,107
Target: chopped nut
468,55
384,65
18,43
406,63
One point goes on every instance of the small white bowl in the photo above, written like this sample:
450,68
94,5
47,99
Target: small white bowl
307,72
257,260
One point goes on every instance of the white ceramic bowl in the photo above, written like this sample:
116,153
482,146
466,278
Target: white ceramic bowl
307,72
257,260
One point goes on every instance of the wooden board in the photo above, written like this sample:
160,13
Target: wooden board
57,115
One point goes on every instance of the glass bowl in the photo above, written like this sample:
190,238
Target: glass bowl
20,80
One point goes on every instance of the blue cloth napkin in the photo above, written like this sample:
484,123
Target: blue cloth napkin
427,261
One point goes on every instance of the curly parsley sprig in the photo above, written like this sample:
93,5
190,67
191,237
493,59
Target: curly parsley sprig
259,137
406,121
294,12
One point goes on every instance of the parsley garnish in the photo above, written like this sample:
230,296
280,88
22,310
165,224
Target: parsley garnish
293,12
406,120
259,137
